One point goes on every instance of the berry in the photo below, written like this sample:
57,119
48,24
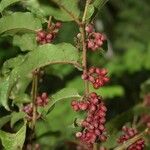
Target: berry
43,37
58,25
94,123
129,133
42,100
94,39
98,77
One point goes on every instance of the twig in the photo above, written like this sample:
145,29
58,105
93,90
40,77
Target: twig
84,47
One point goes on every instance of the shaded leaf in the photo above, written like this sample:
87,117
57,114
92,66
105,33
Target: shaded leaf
15,117
13,141
47,54
11,64
5,89
5,3
4,120
118,121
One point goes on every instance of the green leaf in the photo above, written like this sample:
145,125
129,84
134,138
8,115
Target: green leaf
4,120
106,92
5,89
55,8
47,54
26,42
13,141
11,64
90,11
63,94
5,3
118,121
19,22
109,91
16,116
99,3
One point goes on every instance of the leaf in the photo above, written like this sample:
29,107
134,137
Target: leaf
16,116
55,8
5,3
11,64
109,91
121,119
19,22
26,42
105,92
99,3
4,120
13,141
47,54
63,94
5,88
90,11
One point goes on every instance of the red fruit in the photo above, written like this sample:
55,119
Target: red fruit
73,102
93,95
91,70
49,36
41,34
91,79
95,85
89,28
97,132
103,138
92,108
44,95
58,24
103,72
75,107
106,79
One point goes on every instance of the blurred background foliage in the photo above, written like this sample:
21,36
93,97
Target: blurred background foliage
127,26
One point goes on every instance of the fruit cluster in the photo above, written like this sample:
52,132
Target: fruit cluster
94,123
145,118
43,37
128,134
98,77
94,39
41,101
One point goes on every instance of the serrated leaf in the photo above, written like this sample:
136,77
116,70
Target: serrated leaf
11,64
63,94
51,8
19,22
15,117
13,141
4,120
44,55
26,42
5,3
5,89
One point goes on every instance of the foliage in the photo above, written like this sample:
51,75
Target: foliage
126,24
